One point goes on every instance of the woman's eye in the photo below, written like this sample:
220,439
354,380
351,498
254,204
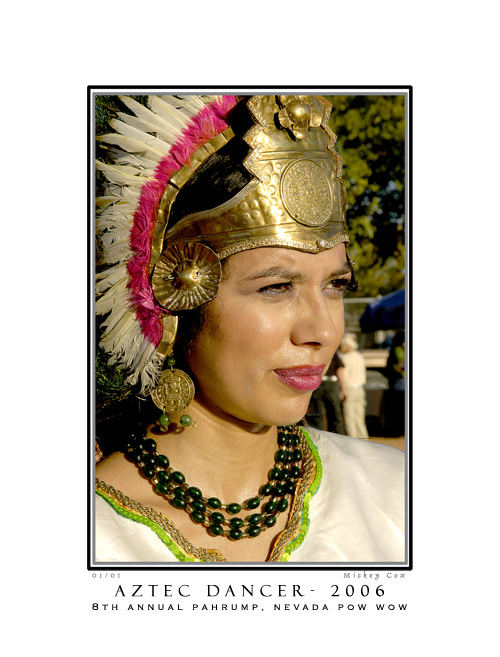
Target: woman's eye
338,284
277,288
335,287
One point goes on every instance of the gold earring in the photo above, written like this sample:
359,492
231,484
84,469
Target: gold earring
174,393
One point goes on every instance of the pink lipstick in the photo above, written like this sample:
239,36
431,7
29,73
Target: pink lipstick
302,378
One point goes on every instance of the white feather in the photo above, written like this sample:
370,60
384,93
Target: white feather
126,170
119,221
114,238
132,346
125,198
127,348
151,373
132,145
117,252
144,137
149,118
115,317
110,277
143,162
153,124
142,358
102,202
114,234
115,333
121,206
121,174
177,119
117,296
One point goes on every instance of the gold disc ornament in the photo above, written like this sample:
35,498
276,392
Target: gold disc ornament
186,275
174,392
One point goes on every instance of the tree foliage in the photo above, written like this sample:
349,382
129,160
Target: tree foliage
371,138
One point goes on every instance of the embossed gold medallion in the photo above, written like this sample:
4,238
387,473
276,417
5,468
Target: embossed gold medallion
174,392
306,192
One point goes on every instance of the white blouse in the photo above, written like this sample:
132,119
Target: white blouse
354,512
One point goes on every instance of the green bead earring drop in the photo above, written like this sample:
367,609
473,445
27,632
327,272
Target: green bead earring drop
164,420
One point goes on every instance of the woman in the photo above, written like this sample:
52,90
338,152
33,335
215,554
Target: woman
355,381
224,223
395,372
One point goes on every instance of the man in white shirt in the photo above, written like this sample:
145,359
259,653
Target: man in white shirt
355,380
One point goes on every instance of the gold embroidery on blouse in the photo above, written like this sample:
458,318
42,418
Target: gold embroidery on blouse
294,523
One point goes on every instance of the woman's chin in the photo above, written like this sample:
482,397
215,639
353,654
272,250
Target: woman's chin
289,416
282,412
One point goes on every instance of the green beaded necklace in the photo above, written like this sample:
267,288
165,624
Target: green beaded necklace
172,485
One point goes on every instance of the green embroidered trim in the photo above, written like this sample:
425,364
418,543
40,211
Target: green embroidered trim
293,545
172,546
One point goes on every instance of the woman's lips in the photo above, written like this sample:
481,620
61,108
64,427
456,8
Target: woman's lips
304,377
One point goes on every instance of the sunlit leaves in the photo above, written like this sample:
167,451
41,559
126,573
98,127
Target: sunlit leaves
371,134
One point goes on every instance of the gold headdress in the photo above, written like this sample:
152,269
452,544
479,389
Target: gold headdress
292,197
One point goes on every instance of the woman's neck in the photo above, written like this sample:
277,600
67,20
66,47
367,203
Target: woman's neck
225,457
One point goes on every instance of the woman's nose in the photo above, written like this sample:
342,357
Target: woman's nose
317,323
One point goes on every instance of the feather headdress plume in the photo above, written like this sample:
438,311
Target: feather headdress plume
146,148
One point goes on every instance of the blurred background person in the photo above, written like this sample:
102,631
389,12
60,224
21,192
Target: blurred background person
354,402
325,409
395,373
333,386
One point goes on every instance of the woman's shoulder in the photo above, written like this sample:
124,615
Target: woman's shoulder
358,458
357,513
351,446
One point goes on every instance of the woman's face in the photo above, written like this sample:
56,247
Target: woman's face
270,333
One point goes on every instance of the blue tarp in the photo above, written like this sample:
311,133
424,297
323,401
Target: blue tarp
384,314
